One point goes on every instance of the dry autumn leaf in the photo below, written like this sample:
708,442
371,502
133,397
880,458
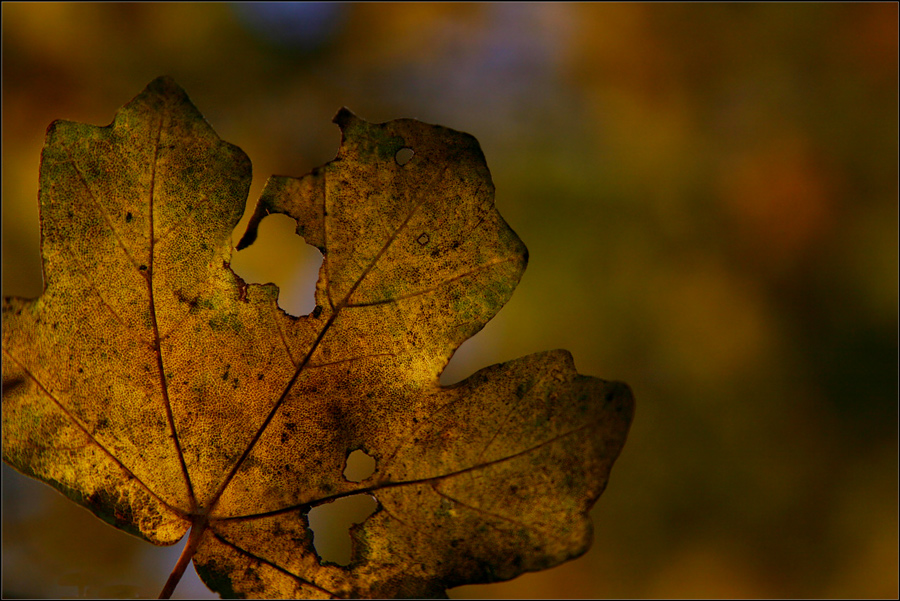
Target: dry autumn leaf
151,385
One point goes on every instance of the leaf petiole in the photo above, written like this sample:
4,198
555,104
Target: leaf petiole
197,531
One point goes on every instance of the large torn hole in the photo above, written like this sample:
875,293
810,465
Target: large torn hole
359,466
281,257
331,523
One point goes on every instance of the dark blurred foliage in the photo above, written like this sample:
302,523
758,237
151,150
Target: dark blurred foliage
709,196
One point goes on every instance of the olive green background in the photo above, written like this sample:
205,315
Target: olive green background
709,197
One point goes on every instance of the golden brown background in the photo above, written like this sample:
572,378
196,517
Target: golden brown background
709,197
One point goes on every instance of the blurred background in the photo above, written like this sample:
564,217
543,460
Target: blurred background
709,196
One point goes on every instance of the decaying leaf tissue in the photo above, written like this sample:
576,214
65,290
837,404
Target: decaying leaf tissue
157,389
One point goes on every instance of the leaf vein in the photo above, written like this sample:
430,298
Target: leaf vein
339,361
263,560
157,340
275,320
101,208
87,433
437,287
373,489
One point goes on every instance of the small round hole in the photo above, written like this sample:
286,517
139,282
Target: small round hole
359,466
404,155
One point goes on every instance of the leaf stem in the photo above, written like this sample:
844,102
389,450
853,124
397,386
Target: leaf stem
197,531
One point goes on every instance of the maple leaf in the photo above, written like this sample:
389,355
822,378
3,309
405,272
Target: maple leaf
151,385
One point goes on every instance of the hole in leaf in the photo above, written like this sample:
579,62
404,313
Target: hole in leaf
404,155
281,257
360,466
330,524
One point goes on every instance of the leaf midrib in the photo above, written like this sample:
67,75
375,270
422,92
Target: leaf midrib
345,302
164,383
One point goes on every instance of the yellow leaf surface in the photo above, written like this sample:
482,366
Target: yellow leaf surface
150,384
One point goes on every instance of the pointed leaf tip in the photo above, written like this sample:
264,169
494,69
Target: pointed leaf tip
165,84
344,117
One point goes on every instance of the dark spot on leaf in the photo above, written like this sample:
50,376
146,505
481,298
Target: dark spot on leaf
12,383
142,267
217,576
423,239
317,311
128,218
